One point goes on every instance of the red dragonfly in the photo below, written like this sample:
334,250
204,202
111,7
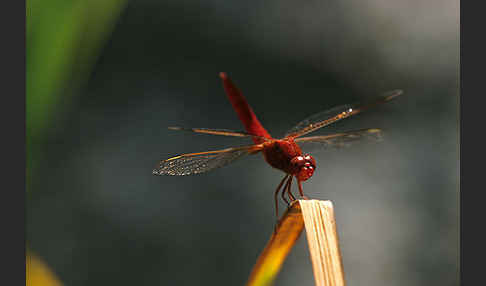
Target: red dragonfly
284,154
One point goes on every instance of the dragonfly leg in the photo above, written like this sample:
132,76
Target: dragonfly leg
289,190
284,190
276,194
301,191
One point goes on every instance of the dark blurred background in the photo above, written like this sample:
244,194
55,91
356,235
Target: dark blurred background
106,78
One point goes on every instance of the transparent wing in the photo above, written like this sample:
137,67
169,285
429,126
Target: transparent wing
339,140
224,132
332,115
195,163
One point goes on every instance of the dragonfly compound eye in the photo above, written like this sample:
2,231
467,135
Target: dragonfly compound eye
297,162
304,167
308,168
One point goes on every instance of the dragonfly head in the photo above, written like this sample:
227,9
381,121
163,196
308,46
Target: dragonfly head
304,166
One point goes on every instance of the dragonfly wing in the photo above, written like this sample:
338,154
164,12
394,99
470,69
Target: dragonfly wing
332,115
195,163
317,118
223,132
339,140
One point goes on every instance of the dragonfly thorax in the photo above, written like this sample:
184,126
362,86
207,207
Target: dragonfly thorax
304,166
286,155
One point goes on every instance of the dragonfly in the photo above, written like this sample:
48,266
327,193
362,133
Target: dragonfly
284,154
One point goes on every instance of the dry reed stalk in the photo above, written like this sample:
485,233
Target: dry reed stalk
318,219
283,239
320,227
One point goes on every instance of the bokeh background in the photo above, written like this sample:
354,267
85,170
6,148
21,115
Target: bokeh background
105,79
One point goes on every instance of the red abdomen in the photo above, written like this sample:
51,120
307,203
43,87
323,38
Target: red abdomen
279,153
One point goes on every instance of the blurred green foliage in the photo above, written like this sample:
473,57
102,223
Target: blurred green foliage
63,40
